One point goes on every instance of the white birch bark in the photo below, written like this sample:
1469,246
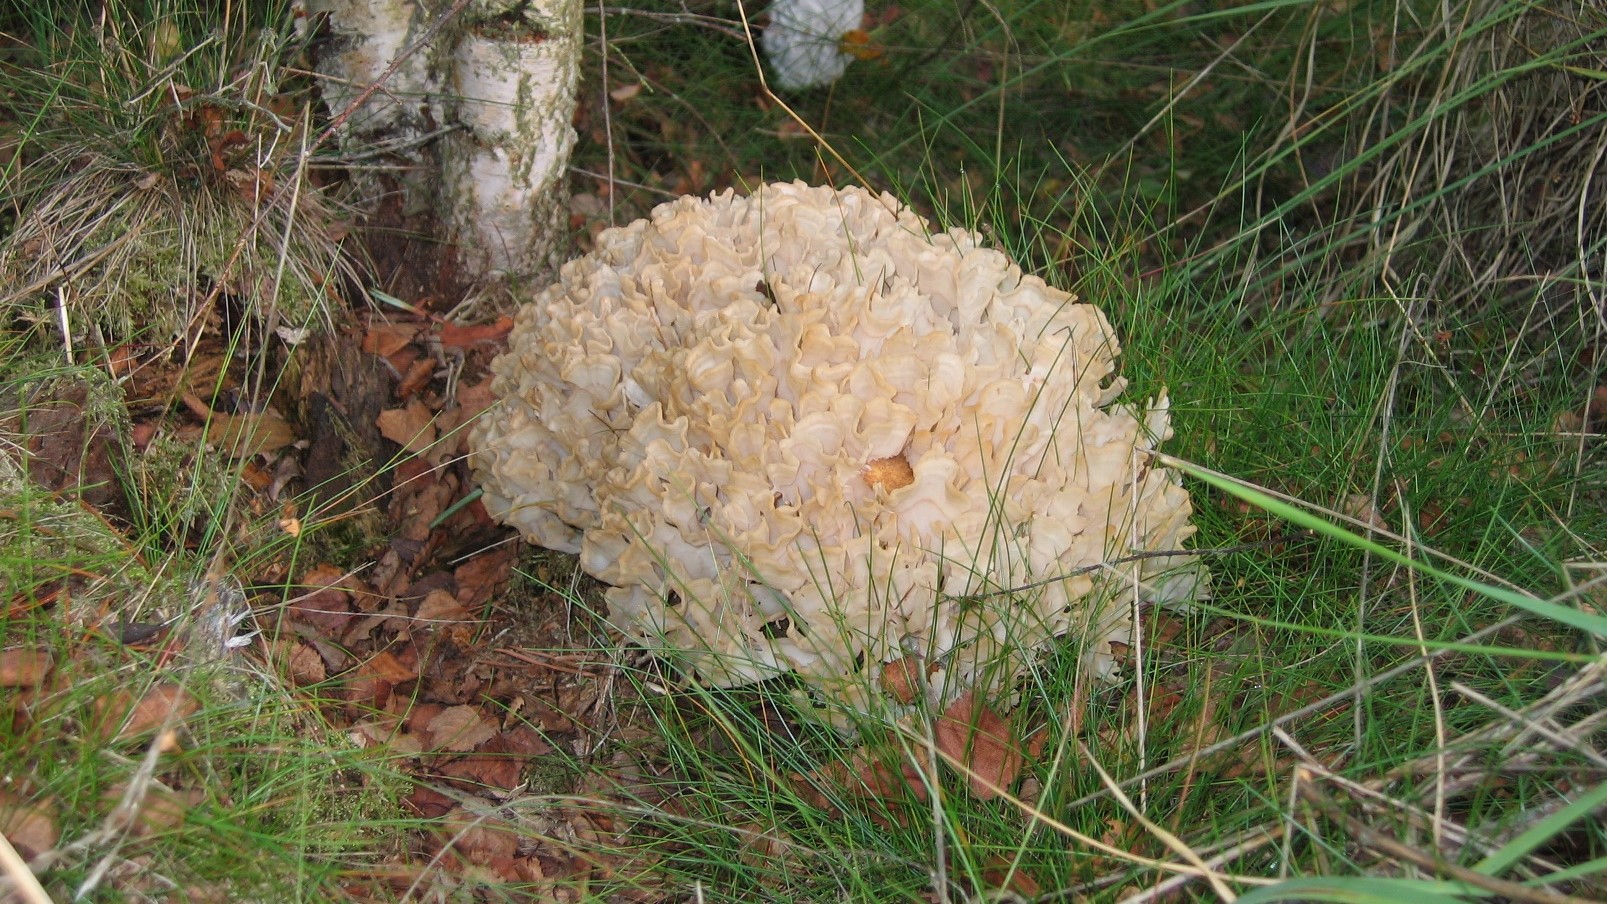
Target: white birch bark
514,73
497,86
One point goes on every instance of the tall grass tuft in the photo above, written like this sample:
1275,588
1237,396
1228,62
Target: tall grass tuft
158,162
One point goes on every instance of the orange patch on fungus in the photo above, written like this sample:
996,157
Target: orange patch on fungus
888,473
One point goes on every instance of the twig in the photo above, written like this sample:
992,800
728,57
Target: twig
69,270
362,98
1166,838
764,82
1261,839
1388,844
1117,853
608,112
1353,691
1373,800
24,883
1556,735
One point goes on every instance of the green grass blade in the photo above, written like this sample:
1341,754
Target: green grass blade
1542,831
1592,624
1588,868
1361,891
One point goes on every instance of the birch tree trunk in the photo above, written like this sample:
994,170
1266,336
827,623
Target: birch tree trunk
479,114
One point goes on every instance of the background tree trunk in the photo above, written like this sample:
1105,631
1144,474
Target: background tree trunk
477,111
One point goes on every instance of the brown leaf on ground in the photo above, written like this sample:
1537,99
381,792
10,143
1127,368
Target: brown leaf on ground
460,728
521,741
1360,507
158,808
364,694
118,716
484,574
69,454
412,427
386,339
479,771
30,825
441,606
326,600
416,377
382,732
24,668
462,337
301,663
428,803
973,735
903,679
241,435
143,432
475,398
887,781
864,776
1000,874
384,664
480,840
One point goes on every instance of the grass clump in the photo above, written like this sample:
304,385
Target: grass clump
146,758
158,170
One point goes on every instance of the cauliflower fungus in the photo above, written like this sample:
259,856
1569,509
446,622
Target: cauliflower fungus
800,433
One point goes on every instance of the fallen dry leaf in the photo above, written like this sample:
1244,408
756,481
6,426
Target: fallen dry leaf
384,664
478,839
241,435
864,776
326,600
24,668
30,825
302,664
386,339
974,736
160,705
456,336
441,606
902,679
1360,506
483,771
460,728
158,808
484,574
412,427
476,398
381,732
1001,875
415,377
428,802
364,694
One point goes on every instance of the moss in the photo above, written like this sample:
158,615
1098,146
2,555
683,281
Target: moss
147,252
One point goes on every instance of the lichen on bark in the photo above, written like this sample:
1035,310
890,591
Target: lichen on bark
480,115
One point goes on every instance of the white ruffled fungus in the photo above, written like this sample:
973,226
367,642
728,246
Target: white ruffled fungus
803,41
799,433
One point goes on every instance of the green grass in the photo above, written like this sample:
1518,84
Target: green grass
1227,252
158,162
238,792
1324,413
1233,187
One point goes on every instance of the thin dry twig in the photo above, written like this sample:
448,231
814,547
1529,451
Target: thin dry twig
1382,842
339,120
1349,693
23,882
1166,838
